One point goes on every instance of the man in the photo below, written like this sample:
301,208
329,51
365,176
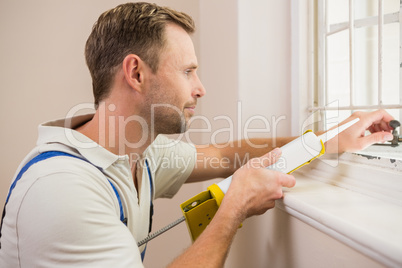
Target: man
91,205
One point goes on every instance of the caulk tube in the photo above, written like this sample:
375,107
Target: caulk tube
295,154
298,153
224,185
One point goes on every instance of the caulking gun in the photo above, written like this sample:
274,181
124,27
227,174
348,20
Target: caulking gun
199,210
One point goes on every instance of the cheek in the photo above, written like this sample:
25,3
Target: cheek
180,93
175,89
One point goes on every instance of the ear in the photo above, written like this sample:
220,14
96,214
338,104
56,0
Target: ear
133,68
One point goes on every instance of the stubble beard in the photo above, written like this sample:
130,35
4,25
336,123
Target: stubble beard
168,121
162,115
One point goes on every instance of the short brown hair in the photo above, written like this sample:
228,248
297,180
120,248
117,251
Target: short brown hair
132,28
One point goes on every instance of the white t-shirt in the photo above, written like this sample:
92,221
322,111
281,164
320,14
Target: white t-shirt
64,213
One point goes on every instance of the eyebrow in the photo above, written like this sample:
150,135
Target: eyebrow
191,66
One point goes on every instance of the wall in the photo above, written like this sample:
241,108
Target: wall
264,90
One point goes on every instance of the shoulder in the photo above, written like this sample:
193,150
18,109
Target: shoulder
63,182
63,206
60,183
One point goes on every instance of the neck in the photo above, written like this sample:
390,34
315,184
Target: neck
117,132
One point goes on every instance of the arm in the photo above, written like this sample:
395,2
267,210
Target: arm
253,191
222,160
219,161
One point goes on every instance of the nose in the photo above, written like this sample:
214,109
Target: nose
198,90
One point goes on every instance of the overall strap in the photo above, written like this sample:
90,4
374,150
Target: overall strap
151,210
44,156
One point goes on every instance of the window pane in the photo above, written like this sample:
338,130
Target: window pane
338,11
391,64
396,114
369,8
338,68
366,66
391,6
364,8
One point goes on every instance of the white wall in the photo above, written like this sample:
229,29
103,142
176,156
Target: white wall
263,73
264,61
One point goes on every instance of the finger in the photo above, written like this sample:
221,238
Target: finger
385,126
376,128
381,126
377,117
371,129
377,137
287,180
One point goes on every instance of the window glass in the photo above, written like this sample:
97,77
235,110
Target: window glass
338,68
336,10
391,63
366,66
374,70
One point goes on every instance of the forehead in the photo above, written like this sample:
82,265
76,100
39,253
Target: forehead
179,48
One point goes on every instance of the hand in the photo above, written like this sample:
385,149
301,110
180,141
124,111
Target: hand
254,188
354,139
253,191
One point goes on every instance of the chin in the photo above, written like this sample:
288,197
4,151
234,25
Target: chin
173,129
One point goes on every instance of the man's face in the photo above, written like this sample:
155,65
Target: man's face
175,88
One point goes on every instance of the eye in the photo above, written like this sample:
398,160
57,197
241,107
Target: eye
188,71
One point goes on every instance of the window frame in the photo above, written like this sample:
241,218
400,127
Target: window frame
308,111
324,30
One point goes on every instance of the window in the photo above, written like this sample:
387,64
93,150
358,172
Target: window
346,67
339,67
358,57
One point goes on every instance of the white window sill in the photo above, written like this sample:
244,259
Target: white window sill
387,152
356,200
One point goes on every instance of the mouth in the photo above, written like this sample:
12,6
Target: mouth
190,109
190,106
